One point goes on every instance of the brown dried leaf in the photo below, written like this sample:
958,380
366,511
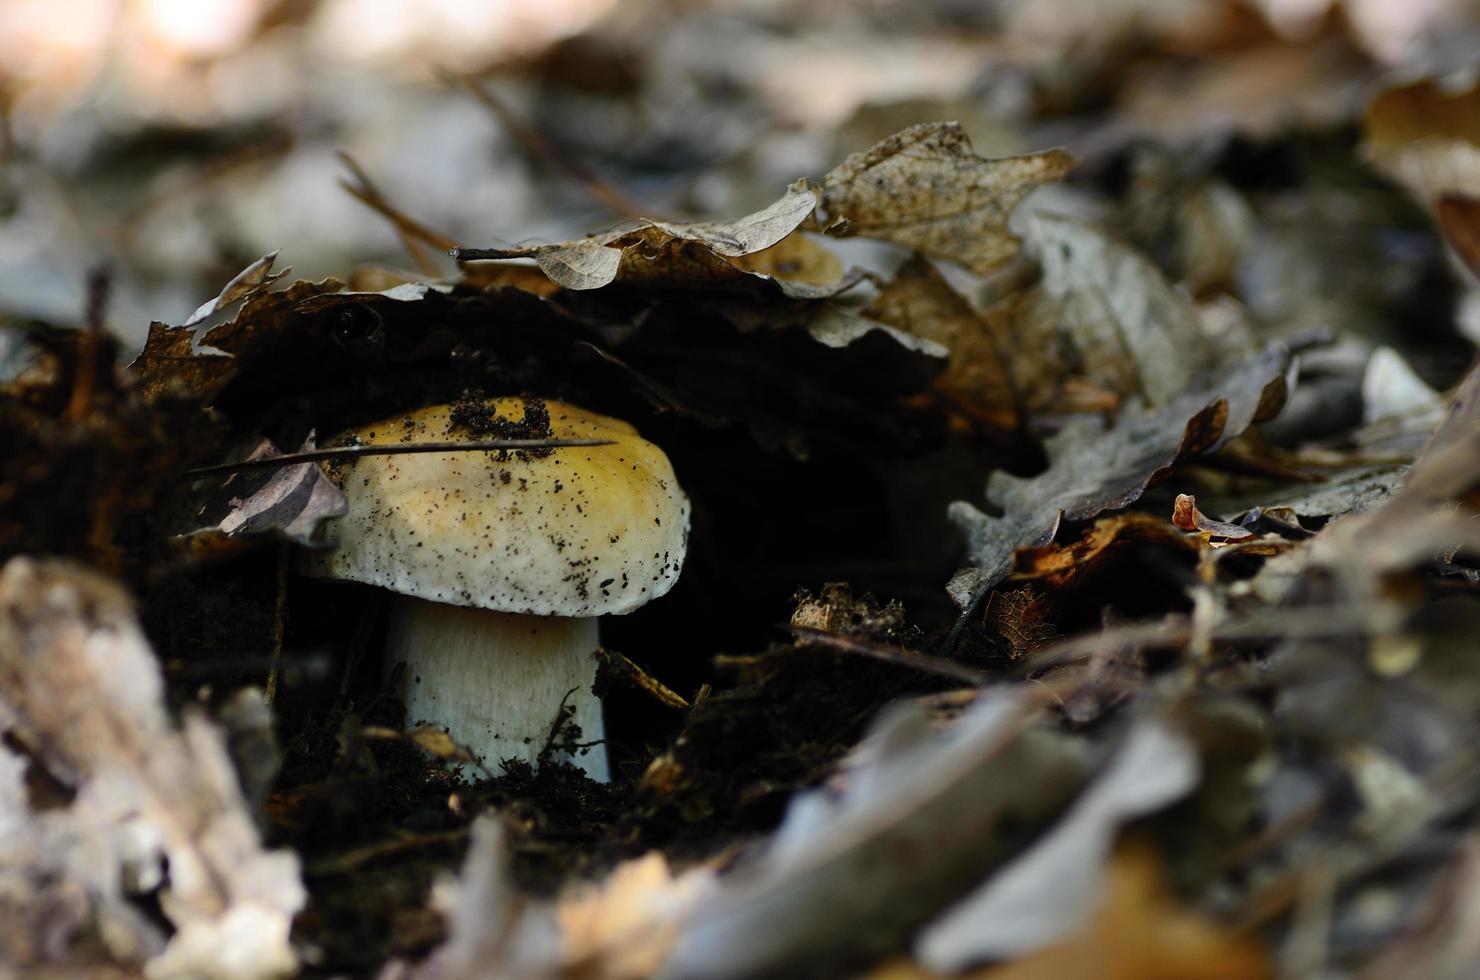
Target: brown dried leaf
924,188
1066,566
656,251
1427,138
1459,217
978,377
170,364
1186,516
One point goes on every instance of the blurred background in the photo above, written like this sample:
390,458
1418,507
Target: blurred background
176,140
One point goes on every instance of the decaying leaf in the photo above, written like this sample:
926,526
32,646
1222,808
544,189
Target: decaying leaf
1063,567
1427,138
919,301
146,805
654,251
1092,469
924,188
294,503
1186,516
912,789
255,277
1050,891
1131,331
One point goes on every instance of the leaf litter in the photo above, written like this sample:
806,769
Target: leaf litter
1200,703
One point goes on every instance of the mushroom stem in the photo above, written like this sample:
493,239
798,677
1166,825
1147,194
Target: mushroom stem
496,680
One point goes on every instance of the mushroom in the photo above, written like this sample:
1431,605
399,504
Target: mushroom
502,562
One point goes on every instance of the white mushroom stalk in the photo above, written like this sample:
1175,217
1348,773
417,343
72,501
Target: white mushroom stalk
505,561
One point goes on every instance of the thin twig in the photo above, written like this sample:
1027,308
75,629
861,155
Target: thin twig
352,452
899,656
407,228
279,626
540,146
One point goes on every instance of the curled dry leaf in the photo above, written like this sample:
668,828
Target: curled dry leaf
255,277
686,253
1066,566
1186,516
1092,469
925,189
145,805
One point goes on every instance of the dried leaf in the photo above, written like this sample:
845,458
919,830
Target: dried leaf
911,790
152,804
293,504
625,927
1066,566
1186,516
1132,332
924,188
1092,469
1050,891
919,301
655,251
1459,218
1391,388
1427,138
255,277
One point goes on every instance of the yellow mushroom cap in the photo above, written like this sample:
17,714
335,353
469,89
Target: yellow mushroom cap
568,532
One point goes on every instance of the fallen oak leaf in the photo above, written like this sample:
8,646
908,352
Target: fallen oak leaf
1130,329
924,188
1092,469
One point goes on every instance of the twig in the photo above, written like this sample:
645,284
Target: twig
85,380
899,656
538,145
279,625
352,452
409,230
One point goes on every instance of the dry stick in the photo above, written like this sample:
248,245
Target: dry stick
279,626
353,452
538,145
88,345
409,229
899,656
